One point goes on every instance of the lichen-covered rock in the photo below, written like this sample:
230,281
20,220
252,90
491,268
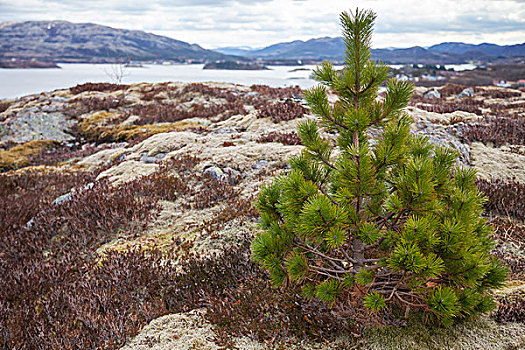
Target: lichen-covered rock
127,171
32,124
432,93
492,162
100,159
476,334
185,331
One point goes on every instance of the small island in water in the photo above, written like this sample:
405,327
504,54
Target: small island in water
19,63
232,65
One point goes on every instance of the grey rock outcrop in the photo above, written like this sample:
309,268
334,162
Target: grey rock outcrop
468,92
433,93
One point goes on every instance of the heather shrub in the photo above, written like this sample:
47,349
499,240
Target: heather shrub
165,113
450,89
4,106
388,221
55,284
82,105
282,111
504,197
497,130
61,153
440,106
24,194
279,92
290,138
500,93
510,237
510,310
77,89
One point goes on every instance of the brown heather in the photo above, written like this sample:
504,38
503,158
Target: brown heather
60,294
4,106
82,105
500,93
509,232
210,192
61,153
290,138
450,89
282,111
168,113
497,130
504,197
57,296
438,105
234,208
24,194
75,90
278,93
253,308
510,309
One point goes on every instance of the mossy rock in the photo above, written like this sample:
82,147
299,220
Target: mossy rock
482,333
98,127
21,155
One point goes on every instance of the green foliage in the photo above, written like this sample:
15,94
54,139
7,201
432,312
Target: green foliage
375,301
373,212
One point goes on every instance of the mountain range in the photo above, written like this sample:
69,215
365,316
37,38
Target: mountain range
333,48
63,41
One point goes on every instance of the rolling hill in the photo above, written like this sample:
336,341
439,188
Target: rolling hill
333,48
62,41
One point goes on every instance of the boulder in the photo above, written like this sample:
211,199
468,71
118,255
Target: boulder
214,172
468,92
183,331
432,93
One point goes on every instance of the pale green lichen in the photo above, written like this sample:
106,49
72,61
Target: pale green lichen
483,333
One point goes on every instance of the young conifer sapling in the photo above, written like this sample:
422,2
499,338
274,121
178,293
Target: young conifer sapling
376,213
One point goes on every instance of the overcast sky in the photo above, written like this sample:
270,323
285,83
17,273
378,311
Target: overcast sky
259,23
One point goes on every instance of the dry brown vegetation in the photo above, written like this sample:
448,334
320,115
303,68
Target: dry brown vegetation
75,90
290,138
24,154
505,197
168,113
4,106
510,232
497,130
451,89
500,93
279,93
436,105
282,111
510,309
169,107
58,284
82,105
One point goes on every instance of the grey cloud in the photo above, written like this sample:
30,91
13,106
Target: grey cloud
464,23
213,21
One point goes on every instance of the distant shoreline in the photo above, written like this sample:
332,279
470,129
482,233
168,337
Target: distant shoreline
18,64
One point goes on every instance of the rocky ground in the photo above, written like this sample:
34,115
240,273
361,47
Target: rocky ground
153,179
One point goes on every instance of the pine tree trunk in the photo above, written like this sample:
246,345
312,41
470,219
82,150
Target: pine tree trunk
358,249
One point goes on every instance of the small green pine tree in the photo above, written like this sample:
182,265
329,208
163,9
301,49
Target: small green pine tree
376,212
